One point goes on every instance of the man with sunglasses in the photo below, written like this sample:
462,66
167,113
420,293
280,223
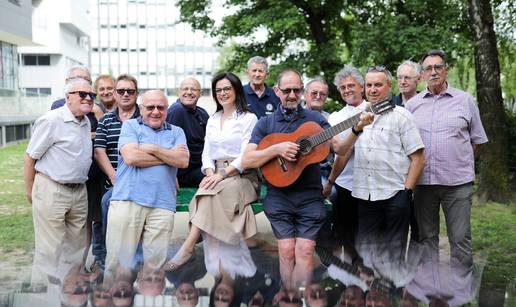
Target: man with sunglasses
106,151
56,166
389,159
143,203
185,113
261,99
296,212
449,122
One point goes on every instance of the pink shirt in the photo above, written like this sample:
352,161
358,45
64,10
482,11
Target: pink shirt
448,123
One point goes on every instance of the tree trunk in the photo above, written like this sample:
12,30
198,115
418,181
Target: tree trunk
494,171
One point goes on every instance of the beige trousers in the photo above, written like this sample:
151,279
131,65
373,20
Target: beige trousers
128,223
59,213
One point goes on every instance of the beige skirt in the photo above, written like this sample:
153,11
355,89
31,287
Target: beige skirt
225,212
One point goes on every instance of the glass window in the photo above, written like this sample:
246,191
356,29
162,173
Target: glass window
30,60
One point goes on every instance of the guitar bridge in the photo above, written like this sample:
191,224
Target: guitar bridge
282,164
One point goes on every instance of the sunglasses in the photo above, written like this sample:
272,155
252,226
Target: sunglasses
287,91
79,290
123,294
122,91
84,94
151,108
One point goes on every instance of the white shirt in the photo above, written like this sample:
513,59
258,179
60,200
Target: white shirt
381,155
345,178
228,142
62,146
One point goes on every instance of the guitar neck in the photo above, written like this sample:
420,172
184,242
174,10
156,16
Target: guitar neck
333,131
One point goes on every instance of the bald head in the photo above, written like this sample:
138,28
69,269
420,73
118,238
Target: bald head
154,108
189,92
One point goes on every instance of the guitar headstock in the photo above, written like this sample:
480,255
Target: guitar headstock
382,106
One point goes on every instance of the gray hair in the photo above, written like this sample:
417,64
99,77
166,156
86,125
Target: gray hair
316,79
258,60
72,82
435,52
348,71
409,63
71,70
382,69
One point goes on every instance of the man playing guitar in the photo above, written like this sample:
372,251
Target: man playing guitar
296,211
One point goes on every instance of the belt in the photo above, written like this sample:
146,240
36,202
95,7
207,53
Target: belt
68,185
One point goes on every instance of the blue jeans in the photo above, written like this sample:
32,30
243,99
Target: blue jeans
106,199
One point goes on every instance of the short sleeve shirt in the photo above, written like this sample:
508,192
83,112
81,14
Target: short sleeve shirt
153,186
264,105
449,123
382,155
310,178
62,146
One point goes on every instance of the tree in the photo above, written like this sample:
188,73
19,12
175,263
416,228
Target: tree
494,176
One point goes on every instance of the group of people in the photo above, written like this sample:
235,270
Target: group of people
108,172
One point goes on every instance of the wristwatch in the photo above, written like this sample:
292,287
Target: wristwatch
355,132
223,173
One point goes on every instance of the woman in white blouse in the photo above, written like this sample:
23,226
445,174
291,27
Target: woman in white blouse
220,209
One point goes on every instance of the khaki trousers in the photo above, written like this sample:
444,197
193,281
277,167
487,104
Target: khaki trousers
129,222
59,213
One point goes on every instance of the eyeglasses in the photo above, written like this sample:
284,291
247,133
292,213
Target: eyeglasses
224,90
438,68
191,89
151,108
407,78
122,91
85,289
317,93
287,91
84,94
350,86
123,293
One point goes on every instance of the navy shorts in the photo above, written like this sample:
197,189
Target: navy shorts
295,214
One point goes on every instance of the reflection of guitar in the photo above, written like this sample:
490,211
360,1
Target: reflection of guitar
313,147
363,274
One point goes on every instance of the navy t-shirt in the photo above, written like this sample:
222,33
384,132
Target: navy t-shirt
310,178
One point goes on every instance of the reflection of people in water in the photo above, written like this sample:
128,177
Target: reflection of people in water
226,292
352,296
378,299
315,295
288,298
75,288
151,282
101,296
187,295
122,290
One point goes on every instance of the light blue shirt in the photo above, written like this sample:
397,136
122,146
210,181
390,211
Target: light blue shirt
153,186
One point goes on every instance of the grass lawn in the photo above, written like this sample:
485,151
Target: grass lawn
493,225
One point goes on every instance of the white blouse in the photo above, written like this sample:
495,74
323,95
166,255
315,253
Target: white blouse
228,142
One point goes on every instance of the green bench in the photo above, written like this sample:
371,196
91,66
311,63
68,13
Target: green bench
184,195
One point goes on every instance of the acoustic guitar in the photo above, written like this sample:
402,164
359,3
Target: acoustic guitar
313,146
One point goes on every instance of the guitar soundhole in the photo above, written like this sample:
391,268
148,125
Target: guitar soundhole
305,146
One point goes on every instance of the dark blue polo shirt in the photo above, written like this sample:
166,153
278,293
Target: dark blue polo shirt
193,122
261,106
108,132
276,122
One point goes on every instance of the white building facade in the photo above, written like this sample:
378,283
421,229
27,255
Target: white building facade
60,31
142,38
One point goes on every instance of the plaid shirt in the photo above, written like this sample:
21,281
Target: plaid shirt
381,155
449,123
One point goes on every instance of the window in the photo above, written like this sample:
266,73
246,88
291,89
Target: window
36,60
37,91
